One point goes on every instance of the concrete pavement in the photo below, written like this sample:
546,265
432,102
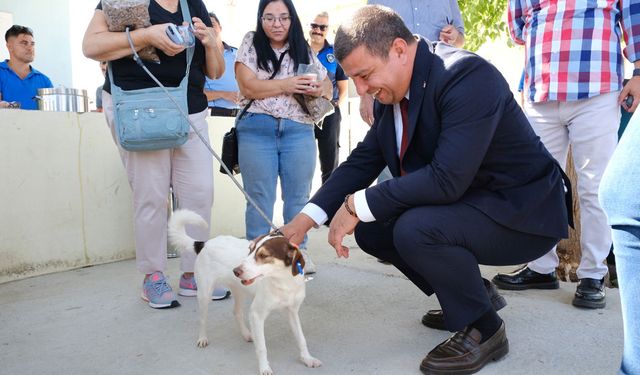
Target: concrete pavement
359,317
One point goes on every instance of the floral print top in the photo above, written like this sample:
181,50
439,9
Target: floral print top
280,106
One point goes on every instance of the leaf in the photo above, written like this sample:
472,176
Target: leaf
483,21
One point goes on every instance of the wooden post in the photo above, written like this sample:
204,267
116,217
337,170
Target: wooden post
569,250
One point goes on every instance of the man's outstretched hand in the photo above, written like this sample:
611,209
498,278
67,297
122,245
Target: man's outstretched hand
297,228
343,223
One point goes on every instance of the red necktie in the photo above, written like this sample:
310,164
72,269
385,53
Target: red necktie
404,110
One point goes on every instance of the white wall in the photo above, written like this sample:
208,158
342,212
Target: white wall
49,21
65,198
6,20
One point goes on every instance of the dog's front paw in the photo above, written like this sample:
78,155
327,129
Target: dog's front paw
202,342
311,362
266,370
246,334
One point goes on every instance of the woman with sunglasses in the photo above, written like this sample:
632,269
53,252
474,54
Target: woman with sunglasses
275,135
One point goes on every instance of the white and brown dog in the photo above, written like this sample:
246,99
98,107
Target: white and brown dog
269,269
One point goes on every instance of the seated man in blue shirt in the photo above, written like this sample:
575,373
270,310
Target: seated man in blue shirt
222,93
19,82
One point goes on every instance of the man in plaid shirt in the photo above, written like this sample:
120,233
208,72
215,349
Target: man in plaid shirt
573,80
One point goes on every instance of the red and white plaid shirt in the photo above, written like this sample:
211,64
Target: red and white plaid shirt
573,47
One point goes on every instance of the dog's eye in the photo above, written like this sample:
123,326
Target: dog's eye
263,255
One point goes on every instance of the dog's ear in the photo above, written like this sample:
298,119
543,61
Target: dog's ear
296,259
252,244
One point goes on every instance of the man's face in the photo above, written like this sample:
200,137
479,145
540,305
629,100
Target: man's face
22,48
318,29
387,80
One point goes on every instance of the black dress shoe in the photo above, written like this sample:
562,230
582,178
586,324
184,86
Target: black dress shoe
590,294
462,353
525,278
435,318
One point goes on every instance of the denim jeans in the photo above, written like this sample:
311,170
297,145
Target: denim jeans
620,198
269,148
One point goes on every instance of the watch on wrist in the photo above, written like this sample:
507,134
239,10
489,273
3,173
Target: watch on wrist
636,72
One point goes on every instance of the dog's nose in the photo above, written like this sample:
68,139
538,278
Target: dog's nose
237,271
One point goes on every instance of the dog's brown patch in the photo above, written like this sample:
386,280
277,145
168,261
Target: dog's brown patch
280,248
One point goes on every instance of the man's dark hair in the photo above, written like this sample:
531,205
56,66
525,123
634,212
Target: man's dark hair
375,27
16,30
213,15
298,47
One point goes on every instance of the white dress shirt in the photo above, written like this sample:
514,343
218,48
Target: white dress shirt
361,206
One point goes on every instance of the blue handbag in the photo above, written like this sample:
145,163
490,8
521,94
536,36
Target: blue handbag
153,118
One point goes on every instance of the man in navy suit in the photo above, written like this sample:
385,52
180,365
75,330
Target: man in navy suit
472,182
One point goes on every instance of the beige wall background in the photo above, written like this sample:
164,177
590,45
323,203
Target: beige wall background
66,201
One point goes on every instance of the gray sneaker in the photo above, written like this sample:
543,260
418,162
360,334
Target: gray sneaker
309,265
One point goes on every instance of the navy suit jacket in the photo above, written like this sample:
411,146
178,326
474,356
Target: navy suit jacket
469,142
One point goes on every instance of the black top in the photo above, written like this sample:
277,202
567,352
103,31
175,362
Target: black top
171,70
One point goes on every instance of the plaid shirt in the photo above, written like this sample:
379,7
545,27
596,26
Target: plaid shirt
572,47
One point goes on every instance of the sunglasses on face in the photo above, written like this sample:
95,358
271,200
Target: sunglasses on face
317,26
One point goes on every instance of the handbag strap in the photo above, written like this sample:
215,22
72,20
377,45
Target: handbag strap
275,71
186,17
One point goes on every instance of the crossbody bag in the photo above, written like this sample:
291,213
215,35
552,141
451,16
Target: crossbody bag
148,119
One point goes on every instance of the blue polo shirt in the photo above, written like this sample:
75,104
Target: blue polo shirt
334,70
228,80
14,89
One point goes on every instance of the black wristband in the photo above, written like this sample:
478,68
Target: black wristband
346,206
636,72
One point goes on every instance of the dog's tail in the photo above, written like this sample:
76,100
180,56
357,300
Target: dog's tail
178,237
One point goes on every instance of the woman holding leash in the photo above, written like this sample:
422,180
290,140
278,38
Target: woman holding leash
188,169
275,135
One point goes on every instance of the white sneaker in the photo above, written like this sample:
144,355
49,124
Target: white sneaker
309,265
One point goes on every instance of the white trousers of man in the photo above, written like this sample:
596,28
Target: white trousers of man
590,126
188,169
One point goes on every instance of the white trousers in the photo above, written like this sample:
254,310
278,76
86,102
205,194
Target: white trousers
188,170
590,126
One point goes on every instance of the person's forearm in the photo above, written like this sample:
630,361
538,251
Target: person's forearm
109,46
215,95
214,67
103,45
260,88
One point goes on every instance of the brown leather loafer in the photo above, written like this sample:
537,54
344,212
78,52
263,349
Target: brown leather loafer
435,318
462,353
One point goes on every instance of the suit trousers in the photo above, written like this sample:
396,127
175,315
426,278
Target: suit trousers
188,169
590,126
439,249
328,143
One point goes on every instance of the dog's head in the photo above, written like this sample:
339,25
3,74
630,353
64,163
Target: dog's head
271,255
